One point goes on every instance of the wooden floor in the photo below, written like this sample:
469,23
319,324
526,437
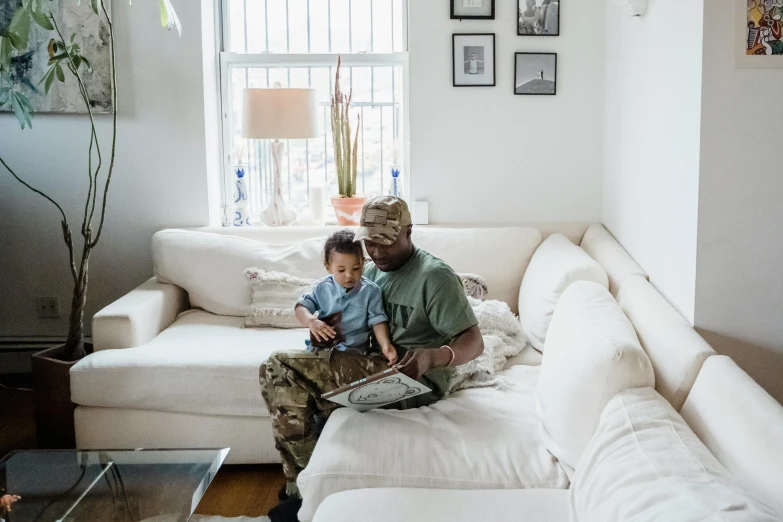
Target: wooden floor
236,491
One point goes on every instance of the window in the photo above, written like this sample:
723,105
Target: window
295,43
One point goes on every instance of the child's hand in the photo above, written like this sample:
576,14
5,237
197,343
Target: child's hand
390,353
321,330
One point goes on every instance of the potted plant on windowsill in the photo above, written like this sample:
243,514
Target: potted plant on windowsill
347,204
52,395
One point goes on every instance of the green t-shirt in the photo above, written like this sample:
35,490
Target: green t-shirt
426,306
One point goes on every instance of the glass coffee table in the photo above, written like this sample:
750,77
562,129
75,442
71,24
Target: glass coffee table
108,486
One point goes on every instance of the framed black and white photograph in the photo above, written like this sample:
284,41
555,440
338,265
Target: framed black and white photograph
538,17
535,73
472,9
473,60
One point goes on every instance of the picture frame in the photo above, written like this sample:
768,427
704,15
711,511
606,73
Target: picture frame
751,38
535,74
473,59
472,9
538,17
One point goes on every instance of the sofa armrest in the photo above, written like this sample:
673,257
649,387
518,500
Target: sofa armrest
139,316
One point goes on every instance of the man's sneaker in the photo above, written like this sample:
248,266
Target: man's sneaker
286,510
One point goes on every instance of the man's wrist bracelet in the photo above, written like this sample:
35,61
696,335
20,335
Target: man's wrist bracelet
453,355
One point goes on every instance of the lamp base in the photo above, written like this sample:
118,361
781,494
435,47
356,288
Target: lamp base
278,212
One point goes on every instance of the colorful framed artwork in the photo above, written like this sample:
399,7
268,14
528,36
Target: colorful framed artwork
538,17
535,74
473,60
472,9
759,33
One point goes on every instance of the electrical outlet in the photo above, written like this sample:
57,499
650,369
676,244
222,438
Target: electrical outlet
48,307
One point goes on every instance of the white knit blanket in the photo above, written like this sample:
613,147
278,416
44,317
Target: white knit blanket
503,338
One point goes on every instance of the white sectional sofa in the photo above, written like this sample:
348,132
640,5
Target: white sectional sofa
168,374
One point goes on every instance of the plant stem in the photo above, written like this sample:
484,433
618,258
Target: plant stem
86,222
66,228
114,125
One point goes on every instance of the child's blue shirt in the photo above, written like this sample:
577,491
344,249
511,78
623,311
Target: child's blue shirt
362,308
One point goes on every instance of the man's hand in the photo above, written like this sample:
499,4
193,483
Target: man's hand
418,362
321,330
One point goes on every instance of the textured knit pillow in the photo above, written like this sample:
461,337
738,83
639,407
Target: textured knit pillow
475,286
273,297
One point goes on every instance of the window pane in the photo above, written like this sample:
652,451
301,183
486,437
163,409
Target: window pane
398,28
319,26
382,84
381,26
361,26
297,25
316,26
362,84
256,26
277,26
308,162
341,29
236,36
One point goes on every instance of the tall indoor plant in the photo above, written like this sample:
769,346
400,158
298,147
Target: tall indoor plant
347,204
54,410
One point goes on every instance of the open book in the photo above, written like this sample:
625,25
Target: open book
386,387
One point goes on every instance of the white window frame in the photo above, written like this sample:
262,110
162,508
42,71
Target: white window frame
229,60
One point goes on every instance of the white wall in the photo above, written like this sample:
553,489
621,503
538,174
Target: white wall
739,288
651,141
484,155
160,178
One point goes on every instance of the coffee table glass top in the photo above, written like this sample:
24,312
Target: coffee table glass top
108,486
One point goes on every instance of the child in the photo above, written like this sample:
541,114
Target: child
346,292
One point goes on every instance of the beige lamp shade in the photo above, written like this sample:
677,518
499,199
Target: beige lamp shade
279,114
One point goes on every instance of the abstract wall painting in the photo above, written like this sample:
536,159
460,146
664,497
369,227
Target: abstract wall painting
759,33
92,34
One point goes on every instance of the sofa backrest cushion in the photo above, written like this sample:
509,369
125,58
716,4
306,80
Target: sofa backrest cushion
645,463
591,354
499,255
210,267
556,264
605,249
677,352
740,423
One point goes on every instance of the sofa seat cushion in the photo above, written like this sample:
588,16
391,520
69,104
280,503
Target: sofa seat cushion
203,363
440,505
645,463
484,438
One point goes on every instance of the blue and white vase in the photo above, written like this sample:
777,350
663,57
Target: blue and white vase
241,205
395,183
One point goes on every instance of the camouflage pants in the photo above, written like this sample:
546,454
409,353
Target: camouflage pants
292,383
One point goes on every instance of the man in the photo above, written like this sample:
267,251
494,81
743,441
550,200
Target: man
432,327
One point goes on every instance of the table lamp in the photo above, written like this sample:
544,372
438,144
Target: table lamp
279,114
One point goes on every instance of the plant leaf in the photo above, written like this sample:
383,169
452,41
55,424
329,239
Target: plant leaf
95,4
43,20
86,63
49,79
19,110
60,73
27,109
19,29
5,53
4,95
168,17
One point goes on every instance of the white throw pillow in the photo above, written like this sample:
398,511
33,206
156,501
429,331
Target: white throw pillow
592,353
645,463
556,264
274,296
210,266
